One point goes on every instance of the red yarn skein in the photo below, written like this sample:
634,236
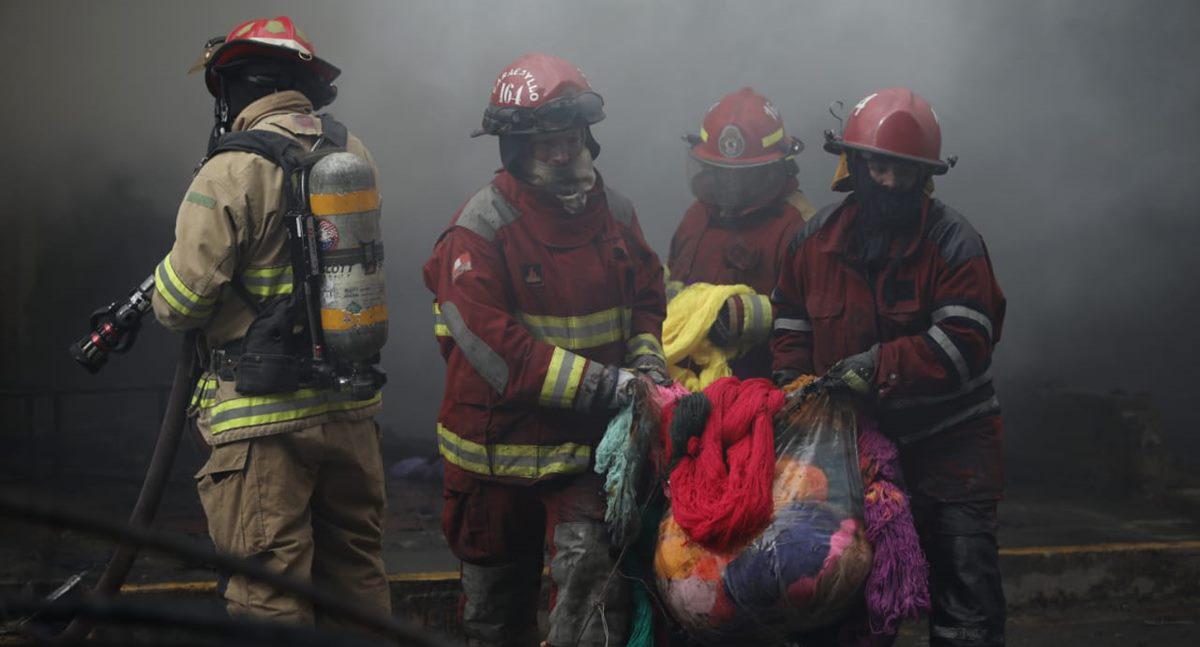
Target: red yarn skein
721,491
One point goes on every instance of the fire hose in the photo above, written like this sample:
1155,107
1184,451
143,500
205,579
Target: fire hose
187,371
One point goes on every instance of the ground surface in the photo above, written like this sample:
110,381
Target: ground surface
1168,624
414,545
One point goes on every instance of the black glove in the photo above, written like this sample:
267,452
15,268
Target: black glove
784,377
855,373
727,329
653,368
614,391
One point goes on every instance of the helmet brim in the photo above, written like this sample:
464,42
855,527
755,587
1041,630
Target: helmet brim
707,157
322,69
935,166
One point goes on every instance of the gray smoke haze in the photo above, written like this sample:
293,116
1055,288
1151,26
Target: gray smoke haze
1075,123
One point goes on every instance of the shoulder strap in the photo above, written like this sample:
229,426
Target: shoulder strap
280,149
333,131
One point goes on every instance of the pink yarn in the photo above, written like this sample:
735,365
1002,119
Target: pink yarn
667,395
838,543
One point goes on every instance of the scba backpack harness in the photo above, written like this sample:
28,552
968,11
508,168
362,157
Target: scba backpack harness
338,291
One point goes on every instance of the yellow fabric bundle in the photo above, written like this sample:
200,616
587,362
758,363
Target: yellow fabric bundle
685,334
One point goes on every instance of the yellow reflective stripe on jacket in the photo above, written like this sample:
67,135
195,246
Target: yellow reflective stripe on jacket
644,344
520,461
562,379
580,331
178,295
440,328
268,281
282,407
205,395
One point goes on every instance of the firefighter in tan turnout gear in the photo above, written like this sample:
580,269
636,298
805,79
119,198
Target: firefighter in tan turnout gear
295,479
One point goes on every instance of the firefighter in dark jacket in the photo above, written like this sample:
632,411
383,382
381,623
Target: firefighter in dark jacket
890,294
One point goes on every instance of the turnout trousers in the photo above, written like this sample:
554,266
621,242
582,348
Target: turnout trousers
501,532
959,540
307,504
955,481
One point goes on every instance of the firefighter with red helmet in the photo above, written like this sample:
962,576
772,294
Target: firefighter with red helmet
742,171
890,294
294,480
548,302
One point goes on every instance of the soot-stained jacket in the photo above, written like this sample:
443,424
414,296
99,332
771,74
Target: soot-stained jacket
531,305
936,311
747,250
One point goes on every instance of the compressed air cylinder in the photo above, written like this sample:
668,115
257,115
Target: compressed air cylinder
345,204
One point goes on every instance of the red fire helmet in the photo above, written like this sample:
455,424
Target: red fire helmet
895,122
539,93
277,37
743,129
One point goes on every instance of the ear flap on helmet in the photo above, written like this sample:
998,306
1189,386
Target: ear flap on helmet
593,146
512,147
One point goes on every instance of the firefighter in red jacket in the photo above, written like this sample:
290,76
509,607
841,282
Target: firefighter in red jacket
546,293
742,170
891,295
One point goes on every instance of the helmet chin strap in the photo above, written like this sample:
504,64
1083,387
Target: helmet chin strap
221,115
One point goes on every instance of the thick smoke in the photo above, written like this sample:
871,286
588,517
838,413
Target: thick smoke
1075,125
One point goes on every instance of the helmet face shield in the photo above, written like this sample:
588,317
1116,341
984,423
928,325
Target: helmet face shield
735,187
561,114
582,109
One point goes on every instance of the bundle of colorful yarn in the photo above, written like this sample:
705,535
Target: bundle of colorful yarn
804,570
621,456
805,565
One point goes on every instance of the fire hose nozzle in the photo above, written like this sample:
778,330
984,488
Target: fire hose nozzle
114,328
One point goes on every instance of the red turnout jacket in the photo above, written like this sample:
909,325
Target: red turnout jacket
748,250
936,312
531,304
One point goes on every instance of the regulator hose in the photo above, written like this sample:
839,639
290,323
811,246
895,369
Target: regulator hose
187,371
